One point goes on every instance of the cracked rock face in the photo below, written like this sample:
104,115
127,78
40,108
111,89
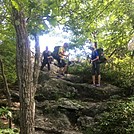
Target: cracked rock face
64,107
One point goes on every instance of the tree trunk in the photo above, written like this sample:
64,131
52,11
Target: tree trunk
7,92
24,74
36,61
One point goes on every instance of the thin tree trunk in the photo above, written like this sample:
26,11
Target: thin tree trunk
24,74
36,61
8,95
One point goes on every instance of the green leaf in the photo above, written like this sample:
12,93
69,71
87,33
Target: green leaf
9,114
15,4
53,21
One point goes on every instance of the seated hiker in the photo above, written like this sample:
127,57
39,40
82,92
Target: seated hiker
46,56
95,65
61,60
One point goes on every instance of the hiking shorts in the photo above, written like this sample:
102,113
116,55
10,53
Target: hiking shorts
95,68
61,63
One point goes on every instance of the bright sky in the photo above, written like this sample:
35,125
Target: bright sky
51,42
57,39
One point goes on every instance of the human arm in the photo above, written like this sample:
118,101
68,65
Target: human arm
49,55
95,59
62,52
95,56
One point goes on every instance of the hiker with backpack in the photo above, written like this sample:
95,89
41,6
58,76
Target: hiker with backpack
59,55
46,57
95,65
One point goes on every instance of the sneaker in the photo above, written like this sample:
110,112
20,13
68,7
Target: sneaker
93,85
58,76
63,74
97,85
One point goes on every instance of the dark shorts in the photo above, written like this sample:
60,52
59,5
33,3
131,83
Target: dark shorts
95,68
61,63
44,63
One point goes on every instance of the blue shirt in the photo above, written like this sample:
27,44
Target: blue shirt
94,55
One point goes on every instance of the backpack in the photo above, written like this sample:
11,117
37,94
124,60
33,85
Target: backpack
102,58
55,52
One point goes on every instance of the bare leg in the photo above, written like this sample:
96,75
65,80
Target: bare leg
60,70
64,69
93,78
99,78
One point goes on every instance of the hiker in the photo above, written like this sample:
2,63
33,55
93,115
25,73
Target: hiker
95,65
61,60
46,57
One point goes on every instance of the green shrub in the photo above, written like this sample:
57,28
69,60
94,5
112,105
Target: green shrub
118,120
4,111
9,131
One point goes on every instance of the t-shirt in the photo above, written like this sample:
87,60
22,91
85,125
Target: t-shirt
61,52
46,54
94,55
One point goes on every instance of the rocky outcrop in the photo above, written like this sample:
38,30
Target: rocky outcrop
64,106
67,105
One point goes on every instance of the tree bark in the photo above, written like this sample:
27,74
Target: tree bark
36,61
24,74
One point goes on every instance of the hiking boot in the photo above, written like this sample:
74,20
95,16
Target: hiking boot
63,74
58,76
97,85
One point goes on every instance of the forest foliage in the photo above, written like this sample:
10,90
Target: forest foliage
108,22
111,26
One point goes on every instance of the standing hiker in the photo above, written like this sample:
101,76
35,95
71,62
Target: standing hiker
46,56
95,65
61,60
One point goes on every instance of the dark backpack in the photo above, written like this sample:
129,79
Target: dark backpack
55,52
102,58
